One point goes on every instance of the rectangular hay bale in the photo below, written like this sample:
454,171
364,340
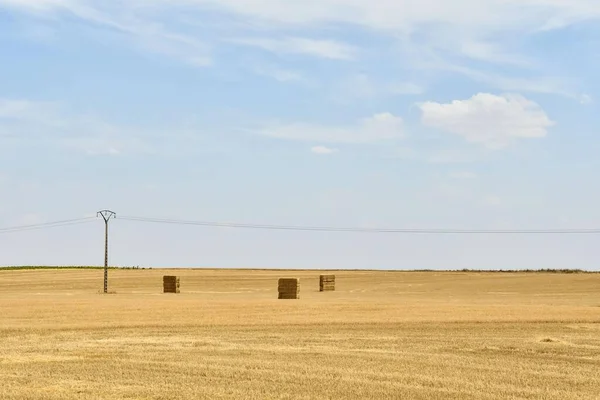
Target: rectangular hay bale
288,288
326,283
171,284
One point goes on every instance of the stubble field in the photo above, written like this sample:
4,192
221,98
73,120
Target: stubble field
380,335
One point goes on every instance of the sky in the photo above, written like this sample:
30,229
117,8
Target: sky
427,114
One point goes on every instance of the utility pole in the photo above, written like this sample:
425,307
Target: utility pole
106,216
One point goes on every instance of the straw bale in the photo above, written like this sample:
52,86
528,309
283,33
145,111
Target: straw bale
171,284
326,283
288,288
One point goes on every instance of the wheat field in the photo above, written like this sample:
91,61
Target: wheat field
380,335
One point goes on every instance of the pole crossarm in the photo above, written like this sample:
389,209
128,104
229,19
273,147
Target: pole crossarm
106,215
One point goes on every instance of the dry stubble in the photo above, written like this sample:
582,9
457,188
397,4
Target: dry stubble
379,335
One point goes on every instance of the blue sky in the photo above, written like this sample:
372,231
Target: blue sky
420,114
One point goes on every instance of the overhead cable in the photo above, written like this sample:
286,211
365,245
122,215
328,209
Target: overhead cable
215,224
357,229
47,225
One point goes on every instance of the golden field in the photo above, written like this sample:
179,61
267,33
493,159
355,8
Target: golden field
380,335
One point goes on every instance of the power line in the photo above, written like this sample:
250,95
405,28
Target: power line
47,225
357,229
215,224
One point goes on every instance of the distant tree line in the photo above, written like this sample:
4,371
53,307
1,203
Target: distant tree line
27,267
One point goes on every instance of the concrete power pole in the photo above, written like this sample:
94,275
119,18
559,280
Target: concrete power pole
106,216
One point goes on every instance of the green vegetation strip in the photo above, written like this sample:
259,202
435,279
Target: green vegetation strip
31,267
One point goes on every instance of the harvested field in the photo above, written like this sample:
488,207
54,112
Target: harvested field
415,335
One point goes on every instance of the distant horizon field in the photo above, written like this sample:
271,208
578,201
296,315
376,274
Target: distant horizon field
380,334
200,268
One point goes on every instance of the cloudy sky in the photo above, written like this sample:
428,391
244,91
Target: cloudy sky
466,114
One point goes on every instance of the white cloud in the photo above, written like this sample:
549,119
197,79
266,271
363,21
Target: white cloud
362,86
422,57
186,48
46,123
279,74
535,84
586,99
491,31
331,49
115,16
323,150
37,5
494,121
405,88
383,126
405,15
18,109
488,52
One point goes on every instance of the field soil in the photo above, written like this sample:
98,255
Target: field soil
379,335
